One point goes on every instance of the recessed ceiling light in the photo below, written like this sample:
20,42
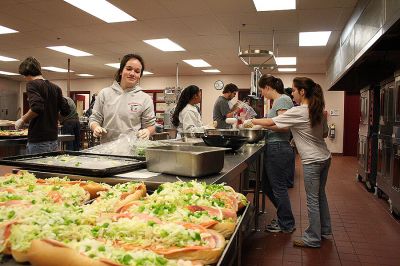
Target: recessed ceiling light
165,45
102,10
271,5
316,38
7,59
147,73
114,65
5,30
211,70
8,73
85,75
197,63
286,69
56,69
285,61
68,50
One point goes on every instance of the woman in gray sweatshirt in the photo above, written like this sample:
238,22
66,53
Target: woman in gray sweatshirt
124,107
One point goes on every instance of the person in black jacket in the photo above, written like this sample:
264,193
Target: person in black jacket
45,103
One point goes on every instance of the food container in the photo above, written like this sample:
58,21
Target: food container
232,142
253,135
222,132
192,161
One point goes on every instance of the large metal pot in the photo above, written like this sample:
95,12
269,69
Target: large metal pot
221,132
253,135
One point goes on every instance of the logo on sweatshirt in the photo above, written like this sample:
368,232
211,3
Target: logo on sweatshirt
135,107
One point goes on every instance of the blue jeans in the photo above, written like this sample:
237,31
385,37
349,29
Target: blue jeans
41,147
315,177
279,158
72,127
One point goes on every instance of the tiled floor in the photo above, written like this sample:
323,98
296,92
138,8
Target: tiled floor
364,232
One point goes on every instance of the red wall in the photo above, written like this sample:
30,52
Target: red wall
351,122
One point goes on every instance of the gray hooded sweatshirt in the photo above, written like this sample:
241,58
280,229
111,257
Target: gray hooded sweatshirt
120,111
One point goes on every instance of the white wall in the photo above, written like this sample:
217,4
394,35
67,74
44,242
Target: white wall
334,100
9,92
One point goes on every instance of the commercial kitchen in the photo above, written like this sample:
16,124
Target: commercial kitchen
349,47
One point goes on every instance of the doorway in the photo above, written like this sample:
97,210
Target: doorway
81,99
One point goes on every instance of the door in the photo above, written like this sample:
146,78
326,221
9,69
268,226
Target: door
351,123
396,98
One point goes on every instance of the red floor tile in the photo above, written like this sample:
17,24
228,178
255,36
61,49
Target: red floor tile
364,233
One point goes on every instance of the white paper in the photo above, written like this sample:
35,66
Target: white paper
140,174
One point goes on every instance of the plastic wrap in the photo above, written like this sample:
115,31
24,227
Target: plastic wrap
125,145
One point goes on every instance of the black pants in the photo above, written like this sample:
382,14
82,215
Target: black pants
72,127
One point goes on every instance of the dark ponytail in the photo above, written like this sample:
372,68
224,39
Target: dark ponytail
187,94
271,81
314,94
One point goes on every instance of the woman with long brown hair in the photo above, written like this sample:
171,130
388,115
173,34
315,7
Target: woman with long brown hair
306,122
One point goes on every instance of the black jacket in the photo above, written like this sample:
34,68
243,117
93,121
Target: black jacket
45,99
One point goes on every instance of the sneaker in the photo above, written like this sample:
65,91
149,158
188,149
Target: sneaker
327,236
300,243
275,228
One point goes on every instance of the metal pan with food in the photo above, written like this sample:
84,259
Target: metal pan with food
76,163
13,134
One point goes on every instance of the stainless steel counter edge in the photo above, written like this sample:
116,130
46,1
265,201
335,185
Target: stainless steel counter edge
234,164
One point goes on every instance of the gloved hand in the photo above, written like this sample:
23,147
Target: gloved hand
143,134
99,131
211,125
248,123
19,124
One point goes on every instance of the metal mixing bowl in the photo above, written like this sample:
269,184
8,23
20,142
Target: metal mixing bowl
222,132
254,135
191,134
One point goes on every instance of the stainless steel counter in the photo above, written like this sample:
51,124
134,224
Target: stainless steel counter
17,146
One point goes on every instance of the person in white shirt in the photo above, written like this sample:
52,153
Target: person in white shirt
308,126
124,107
186,117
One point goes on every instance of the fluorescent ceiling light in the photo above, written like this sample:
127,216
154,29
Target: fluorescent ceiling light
197,63
85,75
316,38
102,10
271,5
114,65
5,30
165,45
8,73
211,70
285,61
286,69
7,59
68,50
56,69
147,73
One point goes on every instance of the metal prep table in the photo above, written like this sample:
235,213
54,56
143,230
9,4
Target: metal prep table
17,146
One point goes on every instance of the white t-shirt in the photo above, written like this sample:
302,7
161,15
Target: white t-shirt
309,141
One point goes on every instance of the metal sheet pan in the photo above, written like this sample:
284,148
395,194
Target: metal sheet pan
79,163
233,249
15,136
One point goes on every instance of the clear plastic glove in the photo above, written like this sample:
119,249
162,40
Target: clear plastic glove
211,125
19,124
99,131
235,106
248,123
143,134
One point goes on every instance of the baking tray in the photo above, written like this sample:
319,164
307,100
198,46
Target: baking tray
78,163
233,249
184,160
13,137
